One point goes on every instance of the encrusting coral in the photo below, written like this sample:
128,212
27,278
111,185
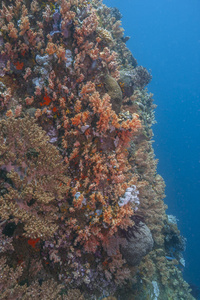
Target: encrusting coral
77,168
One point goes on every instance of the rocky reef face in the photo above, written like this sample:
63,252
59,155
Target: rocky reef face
81,204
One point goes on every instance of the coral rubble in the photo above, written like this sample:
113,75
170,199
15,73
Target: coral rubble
81,204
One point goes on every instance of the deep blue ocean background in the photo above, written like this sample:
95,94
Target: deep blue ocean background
165,38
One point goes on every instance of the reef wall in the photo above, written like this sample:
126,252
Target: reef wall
81,204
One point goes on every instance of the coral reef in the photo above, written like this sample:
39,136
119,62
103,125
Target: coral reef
78,182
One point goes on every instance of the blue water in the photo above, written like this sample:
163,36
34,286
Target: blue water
165,38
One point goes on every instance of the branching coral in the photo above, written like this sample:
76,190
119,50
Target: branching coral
12,290
75,150
33,175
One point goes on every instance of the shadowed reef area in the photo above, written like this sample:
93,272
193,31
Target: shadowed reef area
81,204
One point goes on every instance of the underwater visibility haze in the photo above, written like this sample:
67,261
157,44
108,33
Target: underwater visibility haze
83,212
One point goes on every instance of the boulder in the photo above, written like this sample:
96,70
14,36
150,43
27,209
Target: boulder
138,245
